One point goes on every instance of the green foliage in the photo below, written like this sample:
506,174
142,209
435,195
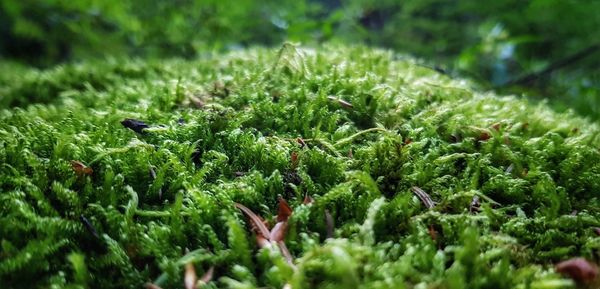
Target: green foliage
400,125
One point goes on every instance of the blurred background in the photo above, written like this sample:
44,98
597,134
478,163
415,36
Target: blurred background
542,49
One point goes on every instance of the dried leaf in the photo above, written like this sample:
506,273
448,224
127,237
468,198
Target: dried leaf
330,224
81,169
262,241
284,211
475,205
152,286
135,125
432,233
286,253
256,221
597,230
340,101
578,269
424,197
278,232
301,142
190,277
207,277
509,169
308,200
153,176
294,160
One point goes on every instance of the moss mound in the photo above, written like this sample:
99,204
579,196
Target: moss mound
128,172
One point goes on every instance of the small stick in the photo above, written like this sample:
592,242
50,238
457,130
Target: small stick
88,225
424,197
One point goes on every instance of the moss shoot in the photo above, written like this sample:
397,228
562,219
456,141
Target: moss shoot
124,173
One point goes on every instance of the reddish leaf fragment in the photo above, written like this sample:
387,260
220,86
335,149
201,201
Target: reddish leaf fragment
424,197
497,126
597,230
578,269
81,169
340,101
190,278
308,200
262,241
207,277
284,211
256,221
134,125
484,136
408,141
294,160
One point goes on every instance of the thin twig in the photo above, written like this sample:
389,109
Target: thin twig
424,197
577,56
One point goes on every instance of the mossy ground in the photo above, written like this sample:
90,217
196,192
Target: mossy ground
225,129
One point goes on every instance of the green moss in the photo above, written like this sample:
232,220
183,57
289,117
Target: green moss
390,125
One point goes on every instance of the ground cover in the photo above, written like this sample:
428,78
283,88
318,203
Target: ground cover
370,171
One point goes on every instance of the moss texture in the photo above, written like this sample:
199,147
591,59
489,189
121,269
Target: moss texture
418,181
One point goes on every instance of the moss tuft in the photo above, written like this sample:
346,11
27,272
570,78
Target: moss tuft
87,202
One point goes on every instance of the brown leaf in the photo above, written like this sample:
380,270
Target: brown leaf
484,136
597,230
81,169
424,197
256,221
284,211
578,269
190,278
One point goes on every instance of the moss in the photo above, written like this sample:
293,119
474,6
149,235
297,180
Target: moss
514,184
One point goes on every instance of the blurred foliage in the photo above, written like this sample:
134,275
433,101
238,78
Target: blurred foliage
496,43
